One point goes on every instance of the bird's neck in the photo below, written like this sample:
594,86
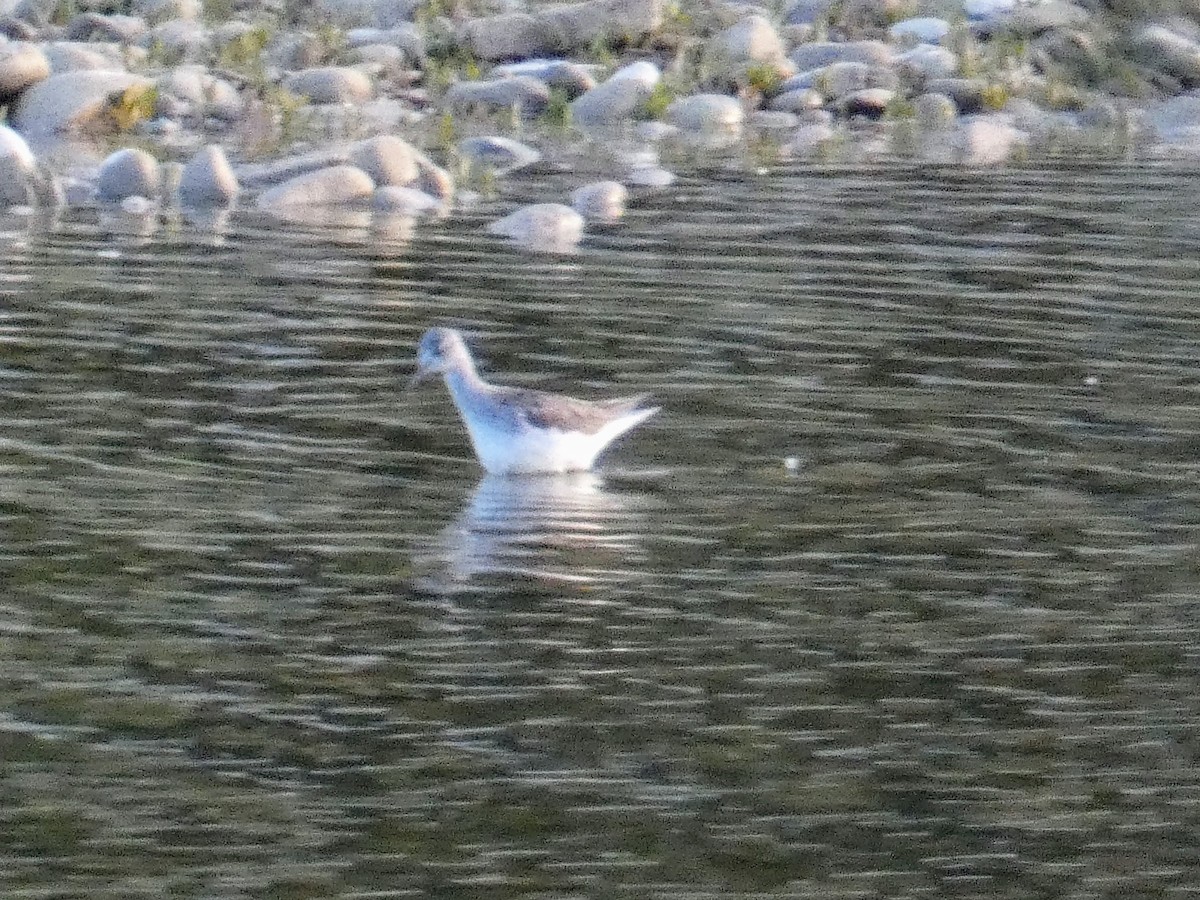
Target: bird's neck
462,377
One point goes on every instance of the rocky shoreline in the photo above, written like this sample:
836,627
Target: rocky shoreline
406,108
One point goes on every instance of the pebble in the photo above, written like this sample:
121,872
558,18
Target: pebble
128,173
600,201
502,155
387,159
528,96
332,186
550,227
706,112
330,84
207,179
403,201
73,101
618,97
21,66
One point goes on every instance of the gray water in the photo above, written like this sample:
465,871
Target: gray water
897,597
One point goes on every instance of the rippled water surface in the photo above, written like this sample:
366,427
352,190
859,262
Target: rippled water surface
898,596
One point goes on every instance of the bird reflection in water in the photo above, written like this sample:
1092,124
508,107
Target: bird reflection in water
553,529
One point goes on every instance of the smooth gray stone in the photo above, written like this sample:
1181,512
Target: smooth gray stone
935,111
330,84
91,26
334,186
155,12
927,61
617,98
69,56
389,160
706,112
922,29
583,24
277,171
184,39
527,95
808,12
869,102
1167,51
600,201
509,36
842,78
824,53
208,179
987,140
404,201
542,226
753,39
967,93
73,101
128,173
797,101
21,66
573,79
500,153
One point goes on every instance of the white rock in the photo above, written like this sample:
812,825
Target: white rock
924,30
706,112
987,10
618,97
333,186
582,24
571,77
987,140
330,84
752,40
137,205
208,179
68,56
650,176
389,160
810,138
509,36
128,173
928,61
17,169
501,154
1168,51
404,201
527,95
824,53
600,201
21,65
73,101
542,226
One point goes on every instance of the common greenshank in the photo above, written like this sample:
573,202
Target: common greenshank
514,430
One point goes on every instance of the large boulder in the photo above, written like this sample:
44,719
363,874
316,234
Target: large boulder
87,100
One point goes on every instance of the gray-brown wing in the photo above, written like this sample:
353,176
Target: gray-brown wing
543,410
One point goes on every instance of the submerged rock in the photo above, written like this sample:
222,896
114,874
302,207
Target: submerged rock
334,186
208,179
542,226
403,201
501,154
706,112
389,160
600,201
128,173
